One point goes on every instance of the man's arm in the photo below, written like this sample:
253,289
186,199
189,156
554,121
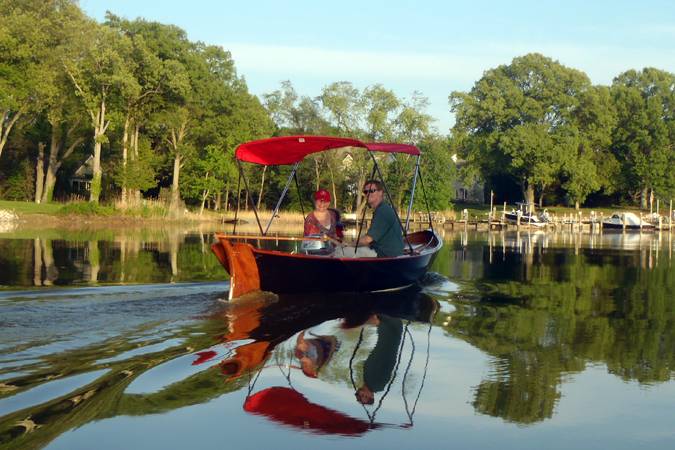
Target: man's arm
365,240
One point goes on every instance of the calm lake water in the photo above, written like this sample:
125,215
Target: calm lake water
121,339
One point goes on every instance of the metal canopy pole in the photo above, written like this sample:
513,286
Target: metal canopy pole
255,210
363,215
412,194
386,191
281,198
297,185
236,212
424,192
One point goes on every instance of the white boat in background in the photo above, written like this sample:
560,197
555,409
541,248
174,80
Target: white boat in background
626,220
526,216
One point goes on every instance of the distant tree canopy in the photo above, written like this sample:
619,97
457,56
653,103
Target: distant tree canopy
645,134
548,128
372,114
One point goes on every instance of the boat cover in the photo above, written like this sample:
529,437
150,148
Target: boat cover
291,149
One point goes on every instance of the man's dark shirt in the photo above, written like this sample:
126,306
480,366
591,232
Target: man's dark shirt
385,230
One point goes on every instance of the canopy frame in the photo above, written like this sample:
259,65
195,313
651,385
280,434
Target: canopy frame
255,152
287,150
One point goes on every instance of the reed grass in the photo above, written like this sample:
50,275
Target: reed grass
282,218
145,208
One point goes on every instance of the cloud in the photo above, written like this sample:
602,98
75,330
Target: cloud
352,64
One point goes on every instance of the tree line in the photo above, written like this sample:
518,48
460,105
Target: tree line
154,110
156,114
545,127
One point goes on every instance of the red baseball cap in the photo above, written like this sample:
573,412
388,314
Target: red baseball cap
322,194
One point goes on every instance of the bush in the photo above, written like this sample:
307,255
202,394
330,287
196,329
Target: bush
148,211
87,209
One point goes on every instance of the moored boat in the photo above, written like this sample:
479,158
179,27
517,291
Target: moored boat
626,221
524,217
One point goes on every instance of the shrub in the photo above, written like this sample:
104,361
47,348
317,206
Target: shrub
87,209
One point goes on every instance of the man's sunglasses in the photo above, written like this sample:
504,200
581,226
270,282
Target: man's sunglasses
369,191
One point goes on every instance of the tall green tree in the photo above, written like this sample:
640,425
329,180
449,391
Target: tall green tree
590,165
438,173
645,134
158,78
412,125
231,115
36,36
381,107
516,120
30,33
101,74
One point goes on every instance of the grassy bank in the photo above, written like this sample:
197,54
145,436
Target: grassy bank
146,209
30,207
150,209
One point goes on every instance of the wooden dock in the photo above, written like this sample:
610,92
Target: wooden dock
570,222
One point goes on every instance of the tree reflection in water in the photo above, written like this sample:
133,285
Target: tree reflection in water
544,313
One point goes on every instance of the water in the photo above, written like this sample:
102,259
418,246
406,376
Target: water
122,339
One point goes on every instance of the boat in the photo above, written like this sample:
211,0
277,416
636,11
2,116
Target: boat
279,264
626,221
524,216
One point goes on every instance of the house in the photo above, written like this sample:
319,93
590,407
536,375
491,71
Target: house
80,181
467,192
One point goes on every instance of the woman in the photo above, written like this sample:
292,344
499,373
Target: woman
315,352
323,220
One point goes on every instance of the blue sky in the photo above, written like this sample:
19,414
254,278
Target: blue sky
434,47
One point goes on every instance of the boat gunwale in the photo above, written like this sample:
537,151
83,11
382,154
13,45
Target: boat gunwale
424,251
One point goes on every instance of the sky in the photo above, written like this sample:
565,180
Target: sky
433,47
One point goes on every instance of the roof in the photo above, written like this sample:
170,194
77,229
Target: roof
291,149
86,170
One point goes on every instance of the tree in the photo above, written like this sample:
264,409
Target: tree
381,107
438,173
645,132
515,119
101,75
293,114
412,125
589,165
206,175
25,41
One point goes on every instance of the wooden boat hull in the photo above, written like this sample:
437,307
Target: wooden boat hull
285,273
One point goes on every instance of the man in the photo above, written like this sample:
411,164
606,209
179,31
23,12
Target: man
379,366
384,235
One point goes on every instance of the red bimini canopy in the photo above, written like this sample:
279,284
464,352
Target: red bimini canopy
291,149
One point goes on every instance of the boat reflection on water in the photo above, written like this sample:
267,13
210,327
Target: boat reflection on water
258,324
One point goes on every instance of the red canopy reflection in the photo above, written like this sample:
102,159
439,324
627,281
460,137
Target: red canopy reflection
289,407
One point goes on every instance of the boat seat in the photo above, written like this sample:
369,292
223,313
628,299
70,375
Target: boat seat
416,248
